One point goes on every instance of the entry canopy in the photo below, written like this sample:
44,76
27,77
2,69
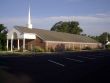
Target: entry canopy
16,34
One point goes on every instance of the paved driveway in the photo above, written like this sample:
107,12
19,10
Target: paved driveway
71,67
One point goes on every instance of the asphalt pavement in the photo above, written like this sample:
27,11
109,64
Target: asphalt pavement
69,67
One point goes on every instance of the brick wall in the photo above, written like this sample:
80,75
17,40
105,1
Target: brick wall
57,46
30,44
73,46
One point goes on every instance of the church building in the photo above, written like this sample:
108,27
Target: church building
27,38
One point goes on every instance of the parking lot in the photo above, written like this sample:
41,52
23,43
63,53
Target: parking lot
69,67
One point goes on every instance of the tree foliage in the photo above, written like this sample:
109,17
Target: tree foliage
68,27
102,38
3,33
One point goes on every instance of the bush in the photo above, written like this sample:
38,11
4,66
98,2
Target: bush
52,50
87,48
3,49
20,50
77,48
38,49
69,49
108,47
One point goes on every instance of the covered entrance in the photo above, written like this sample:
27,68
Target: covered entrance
16,41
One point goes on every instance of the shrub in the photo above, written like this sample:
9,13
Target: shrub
52,50
87,48
3,49
77,48
38,49
69,49
20,50
108,47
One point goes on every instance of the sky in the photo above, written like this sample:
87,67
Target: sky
93,15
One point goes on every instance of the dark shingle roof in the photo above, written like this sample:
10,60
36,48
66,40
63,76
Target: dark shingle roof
56,36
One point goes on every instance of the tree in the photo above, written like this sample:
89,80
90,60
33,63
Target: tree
68,27
102,38
3,36
94,37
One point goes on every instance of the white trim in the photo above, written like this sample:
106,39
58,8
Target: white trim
70,42
30,33
34,34
28,36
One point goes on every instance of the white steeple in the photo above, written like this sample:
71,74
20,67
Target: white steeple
29,25
107,37
107,41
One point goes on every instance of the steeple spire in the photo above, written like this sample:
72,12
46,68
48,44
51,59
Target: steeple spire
107,37
29,18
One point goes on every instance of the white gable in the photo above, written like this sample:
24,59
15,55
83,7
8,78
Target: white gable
10,33
16,34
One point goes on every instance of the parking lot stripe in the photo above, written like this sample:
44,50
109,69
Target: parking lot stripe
56,63
99,56
86,57
74,60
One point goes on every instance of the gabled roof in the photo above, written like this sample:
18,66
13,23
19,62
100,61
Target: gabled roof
56,36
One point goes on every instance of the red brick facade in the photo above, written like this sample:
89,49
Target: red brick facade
71,45
54,45
30,44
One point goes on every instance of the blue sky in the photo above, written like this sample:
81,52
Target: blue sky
93,15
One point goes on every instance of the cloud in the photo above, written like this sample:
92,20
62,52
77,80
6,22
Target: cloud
92,25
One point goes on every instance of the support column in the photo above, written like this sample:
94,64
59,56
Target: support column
23,44
7,44
12,43
18,45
